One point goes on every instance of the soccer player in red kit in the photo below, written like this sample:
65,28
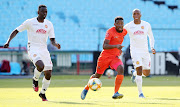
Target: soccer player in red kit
110,56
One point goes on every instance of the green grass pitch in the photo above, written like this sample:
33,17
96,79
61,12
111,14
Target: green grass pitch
65,90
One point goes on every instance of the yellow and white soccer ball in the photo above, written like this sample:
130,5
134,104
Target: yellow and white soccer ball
95,84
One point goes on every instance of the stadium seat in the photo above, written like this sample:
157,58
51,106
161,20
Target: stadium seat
15,69
77,26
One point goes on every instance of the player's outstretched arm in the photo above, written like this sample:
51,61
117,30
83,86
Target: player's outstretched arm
13,34
53,41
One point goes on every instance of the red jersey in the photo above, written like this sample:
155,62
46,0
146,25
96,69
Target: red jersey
115,39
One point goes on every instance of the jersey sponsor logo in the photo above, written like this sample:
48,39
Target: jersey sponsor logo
138,32
46,26
41,31
142,27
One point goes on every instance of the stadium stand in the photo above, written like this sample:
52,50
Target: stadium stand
81,25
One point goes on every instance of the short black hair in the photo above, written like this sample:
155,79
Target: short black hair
118,18
41,6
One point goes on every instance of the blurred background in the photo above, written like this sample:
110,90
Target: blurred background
80,27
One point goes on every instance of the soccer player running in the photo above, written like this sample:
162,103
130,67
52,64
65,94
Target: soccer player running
138,31
38,30
109,56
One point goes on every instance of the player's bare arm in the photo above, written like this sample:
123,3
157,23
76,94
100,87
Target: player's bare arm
13,34
107,46
53,41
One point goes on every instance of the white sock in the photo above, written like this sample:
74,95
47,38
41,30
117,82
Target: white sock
139,83
45,85
36,74
135,73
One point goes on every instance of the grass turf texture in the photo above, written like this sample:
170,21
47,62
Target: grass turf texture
65,91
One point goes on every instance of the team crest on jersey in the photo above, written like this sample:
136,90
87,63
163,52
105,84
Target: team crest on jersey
137,62
142,27
34,55
46,26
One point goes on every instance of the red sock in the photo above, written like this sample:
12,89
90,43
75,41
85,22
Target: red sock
87,87
118,81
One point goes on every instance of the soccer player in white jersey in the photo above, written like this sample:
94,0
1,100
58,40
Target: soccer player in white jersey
138,31
38,30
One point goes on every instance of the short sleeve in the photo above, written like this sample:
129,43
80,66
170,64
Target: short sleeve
51,32
23,26
108,35
125,32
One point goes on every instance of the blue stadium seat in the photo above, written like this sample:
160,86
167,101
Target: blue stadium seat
77,26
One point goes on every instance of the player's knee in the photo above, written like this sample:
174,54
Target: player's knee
139,70
40,65
48,75
40,68
146,72
120,70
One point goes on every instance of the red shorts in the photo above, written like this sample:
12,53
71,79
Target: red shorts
105,61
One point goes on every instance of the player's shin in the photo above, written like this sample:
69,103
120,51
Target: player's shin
139,83
36,74
45,85
87,87
118,81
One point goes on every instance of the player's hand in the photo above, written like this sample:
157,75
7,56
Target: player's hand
153,51
58,45
6,45
119,46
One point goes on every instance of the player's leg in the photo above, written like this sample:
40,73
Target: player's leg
39,66
146,64
139,81
118,66
86,88
137,73
96,75
47,73
45,84
101,67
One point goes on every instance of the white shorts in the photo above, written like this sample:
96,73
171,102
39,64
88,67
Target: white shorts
141,59
36,54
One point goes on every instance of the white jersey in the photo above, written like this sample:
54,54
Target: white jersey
37,32
138,36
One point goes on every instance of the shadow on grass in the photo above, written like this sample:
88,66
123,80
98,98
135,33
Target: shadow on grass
69,102
139,103
167,99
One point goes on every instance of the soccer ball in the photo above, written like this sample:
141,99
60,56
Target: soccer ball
94,84
109,73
